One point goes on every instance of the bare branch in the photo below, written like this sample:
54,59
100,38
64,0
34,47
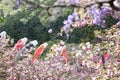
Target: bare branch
78,6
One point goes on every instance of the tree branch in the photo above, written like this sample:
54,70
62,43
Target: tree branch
78,6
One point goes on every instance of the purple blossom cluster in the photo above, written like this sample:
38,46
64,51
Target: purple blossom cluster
93,15
67,28
18,3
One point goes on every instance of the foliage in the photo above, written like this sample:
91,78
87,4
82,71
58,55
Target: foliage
83,34
17,28
86,33
34,23
31,22
110,21
27,24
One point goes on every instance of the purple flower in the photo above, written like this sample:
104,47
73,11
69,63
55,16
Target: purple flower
66,27
70,17
76,2
18,3
75,14
106,11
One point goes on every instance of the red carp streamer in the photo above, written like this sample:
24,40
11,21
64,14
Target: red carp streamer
105,58
64,54
20,43
39,51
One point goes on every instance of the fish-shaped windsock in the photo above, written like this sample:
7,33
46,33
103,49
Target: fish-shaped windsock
34,42
39,51
29,45
102,61
20,43
3,35
64,54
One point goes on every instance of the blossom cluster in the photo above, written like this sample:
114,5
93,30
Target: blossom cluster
92,15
